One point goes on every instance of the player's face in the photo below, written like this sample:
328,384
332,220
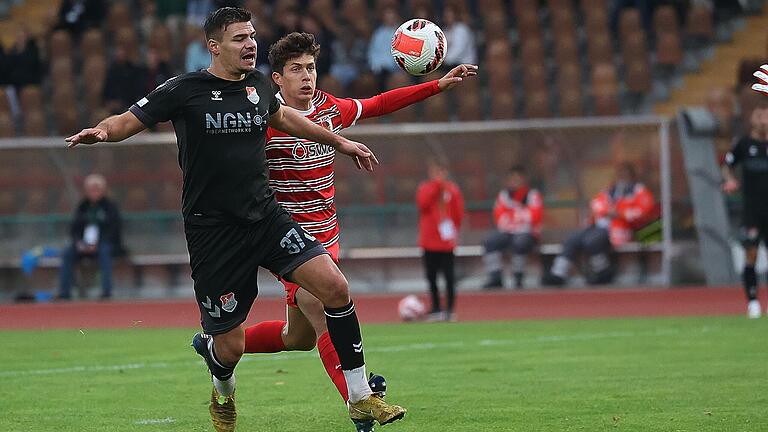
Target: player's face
237,49
299,78
515,180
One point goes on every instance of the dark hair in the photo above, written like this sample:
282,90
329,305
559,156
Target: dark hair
629,167
218,21
291,46
517,169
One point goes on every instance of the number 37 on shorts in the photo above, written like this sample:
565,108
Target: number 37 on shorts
293,241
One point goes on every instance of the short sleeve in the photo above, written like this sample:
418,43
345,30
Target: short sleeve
161,105
350,110
733,156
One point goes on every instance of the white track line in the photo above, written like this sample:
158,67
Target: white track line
389,349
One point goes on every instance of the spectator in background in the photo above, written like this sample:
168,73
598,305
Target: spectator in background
158,71
348,57
96,233
125,82
751,152
721,102
23,60
311,25
76,16
380,47
441,209
460,39
197,55
198,10
625,206
517,214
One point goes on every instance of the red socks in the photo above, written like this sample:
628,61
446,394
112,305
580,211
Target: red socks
265,337
332,364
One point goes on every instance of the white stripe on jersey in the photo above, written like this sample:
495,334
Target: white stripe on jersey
359,111
288,164
332,241
331,221
302,182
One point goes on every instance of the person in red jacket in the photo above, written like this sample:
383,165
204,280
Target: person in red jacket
517,215
441,209
617,212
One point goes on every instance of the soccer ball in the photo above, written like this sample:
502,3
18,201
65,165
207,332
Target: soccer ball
419,46
411,308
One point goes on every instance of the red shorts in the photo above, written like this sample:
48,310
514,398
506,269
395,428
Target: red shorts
291,288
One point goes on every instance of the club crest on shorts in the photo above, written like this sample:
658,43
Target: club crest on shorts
252,95
228,302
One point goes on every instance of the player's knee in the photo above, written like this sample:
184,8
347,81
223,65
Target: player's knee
336,292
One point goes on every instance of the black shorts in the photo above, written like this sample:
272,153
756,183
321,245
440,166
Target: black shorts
225,261
754,227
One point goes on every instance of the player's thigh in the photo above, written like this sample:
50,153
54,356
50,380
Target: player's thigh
322,278
224,271
497,241
523,243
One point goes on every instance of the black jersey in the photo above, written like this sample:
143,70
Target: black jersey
752,155
220,128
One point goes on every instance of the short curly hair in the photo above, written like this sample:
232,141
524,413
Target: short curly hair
291,46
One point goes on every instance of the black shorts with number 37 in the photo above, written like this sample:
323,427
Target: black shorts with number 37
225,261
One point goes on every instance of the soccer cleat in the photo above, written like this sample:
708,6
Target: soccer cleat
223,412
364,425
378,384
550,279
374,408
753,309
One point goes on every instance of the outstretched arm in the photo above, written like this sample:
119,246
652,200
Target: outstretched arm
393,100
290,121
114,128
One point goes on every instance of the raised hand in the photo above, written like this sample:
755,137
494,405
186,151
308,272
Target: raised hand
456,75
87,136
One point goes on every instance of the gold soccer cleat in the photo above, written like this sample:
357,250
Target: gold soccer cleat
374,408
223,413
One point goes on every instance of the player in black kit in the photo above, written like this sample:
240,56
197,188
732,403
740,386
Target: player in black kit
232,222
751,153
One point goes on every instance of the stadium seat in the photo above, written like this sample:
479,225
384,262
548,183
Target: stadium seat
563,25
6,126
8,203
92,44
665,20
60,44
31,97
528,25
600,48
61,68
669,51
119,17
537,104
700,24
535,77
605,89
629,21
591,5
569,76
159,41
638,77
595,21
634,47
557,6
365,86
566,50
95,71
127,39
571,102
532,51
467,101
5,105
503,104
495,27
34,123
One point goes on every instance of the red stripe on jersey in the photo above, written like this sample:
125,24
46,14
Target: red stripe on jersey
301,171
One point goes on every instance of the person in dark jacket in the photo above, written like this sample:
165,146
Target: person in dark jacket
95,233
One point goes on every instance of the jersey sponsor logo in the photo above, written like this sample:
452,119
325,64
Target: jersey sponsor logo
224,123
216,95
302,151
253,96
228,302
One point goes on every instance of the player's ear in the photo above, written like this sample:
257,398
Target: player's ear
213,46
277,78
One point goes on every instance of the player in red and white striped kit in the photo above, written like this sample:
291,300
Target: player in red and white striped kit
302,177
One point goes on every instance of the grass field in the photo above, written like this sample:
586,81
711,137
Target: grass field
687,374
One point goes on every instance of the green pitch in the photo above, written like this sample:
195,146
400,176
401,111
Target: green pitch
691,374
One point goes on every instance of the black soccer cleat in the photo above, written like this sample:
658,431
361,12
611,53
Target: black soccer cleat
378,384
202,343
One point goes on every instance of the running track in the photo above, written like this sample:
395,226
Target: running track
483,306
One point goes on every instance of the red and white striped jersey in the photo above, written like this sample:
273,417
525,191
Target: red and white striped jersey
301,171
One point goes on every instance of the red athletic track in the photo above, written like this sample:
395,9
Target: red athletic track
505,305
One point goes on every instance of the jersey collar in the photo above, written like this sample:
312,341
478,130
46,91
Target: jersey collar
306,112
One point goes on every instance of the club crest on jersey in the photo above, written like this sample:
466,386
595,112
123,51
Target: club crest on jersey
228,302
252,95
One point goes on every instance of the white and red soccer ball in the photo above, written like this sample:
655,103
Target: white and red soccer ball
410,308
419,46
